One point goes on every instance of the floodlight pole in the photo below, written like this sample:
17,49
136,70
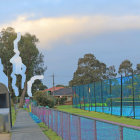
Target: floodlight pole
133,94
121,96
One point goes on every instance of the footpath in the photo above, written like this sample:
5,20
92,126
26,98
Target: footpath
26,129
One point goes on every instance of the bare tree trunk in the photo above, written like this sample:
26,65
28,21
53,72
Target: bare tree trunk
10,86
23,95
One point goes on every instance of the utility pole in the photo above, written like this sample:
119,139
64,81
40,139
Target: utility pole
53,84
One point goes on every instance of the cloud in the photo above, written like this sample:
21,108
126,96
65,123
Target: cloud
51,30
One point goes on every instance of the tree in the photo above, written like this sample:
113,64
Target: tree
89,70
125,68
7,37
111,72
38,85
31,58
62,86
43,99
137,71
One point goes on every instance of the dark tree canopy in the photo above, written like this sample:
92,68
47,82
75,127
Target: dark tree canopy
111,72
125,68
31,57
137,71
89,70
7,37
38,85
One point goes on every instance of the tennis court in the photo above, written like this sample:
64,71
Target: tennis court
119,96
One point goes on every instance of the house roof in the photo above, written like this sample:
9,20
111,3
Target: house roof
53,89
64,92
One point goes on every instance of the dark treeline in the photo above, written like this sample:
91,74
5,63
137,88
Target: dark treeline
90,70
31,58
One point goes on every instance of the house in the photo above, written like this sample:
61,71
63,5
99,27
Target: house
51,90
64,92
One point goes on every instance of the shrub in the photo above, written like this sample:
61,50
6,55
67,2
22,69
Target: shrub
43,99
61,101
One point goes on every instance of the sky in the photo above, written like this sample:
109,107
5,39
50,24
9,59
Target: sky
68,29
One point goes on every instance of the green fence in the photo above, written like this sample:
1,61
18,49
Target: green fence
119,96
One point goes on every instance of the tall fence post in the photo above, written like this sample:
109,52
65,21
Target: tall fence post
76,97
91,96
77,100
121,96
133,95
79,97
110,95
95,96
88,98
102,96
72,96
84,96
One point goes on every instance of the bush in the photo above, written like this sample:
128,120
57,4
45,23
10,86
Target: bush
43,99
61,101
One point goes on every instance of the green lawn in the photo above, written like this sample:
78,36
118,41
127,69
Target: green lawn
124,120
49,133
97,104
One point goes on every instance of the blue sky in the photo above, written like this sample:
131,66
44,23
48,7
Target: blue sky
69,29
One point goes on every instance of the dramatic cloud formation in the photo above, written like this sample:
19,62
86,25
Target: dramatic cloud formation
50,30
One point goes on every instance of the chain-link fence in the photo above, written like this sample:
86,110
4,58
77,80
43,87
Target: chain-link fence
77,127
119,96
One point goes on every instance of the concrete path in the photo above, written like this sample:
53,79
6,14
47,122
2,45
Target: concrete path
26,129
5,136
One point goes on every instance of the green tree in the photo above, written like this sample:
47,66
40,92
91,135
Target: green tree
62,86
137,71
7,37
29,53
125,68
111,72
38,85
89,70
31,58
43,99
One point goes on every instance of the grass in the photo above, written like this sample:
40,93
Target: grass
123,120
97,105
13,116
48,132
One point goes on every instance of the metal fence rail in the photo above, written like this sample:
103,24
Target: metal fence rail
77,127
119,96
